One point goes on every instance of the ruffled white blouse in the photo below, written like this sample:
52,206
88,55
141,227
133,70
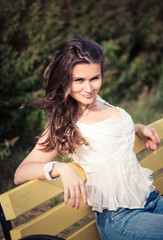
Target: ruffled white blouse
114,176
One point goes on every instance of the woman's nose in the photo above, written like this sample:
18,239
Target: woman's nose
88,87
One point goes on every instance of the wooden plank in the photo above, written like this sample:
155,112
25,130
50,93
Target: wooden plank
79,169
158,182
87,232
31,194
153,161
52,222
27,196
139,144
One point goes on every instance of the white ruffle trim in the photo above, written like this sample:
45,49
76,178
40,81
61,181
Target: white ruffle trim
133,195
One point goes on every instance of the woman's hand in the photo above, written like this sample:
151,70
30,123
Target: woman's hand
72,183
149,136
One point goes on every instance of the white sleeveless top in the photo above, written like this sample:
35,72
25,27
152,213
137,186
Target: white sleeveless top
114,176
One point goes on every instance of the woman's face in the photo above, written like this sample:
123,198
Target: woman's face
86,83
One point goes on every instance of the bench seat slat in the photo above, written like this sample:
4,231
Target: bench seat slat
47,223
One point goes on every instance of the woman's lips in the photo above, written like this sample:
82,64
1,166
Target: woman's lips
87,95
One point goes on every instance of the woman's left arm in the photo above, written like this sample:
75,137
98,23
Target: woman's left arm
149,136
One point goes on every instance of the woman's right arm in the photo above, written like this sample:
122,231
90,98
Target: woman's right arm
32,168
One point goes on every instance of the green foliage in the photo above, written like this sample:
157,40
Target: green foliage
5,147
130,33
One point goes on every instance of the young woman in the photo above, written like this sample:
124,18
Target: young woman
100,138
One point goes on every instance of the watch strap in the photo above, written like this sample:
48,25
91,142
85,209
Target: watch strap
48,168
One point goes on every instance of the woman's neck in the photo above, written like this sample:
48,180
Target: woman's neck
85,109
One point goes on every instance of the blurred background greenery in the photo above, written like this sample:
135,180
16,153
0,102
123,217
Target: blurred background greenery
131,34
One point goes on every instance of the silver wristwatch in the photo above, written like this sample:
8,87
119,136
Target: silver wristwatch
48,168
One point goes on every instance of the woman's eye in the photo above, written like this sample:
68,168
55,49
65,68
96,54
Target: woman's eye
95,78
79,80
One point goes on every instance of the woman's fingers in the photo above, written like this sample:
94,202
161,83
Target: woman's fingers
84,193
146,143
73,185
77,197
66,195
155,137
150,144
150,137
75,191
73,197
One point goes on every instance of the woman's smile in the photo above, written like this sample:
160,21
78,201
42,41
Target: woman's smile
88,95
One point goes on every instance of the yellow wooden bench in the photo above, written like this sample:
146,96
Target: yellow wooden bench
54,221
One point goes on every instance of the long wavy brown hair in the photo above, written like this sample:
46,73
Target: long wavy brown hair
62,110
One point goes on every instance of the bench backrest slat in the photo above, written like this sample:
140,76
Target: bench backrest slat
47,223
30,194
139,144
86,233
154,161
159,184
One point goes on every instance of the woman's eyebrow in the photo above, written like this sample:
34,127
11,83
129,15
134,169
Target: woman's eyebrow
98,75
78,78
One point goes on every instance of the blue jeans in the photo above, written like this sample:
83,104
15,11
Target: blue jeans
139,224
